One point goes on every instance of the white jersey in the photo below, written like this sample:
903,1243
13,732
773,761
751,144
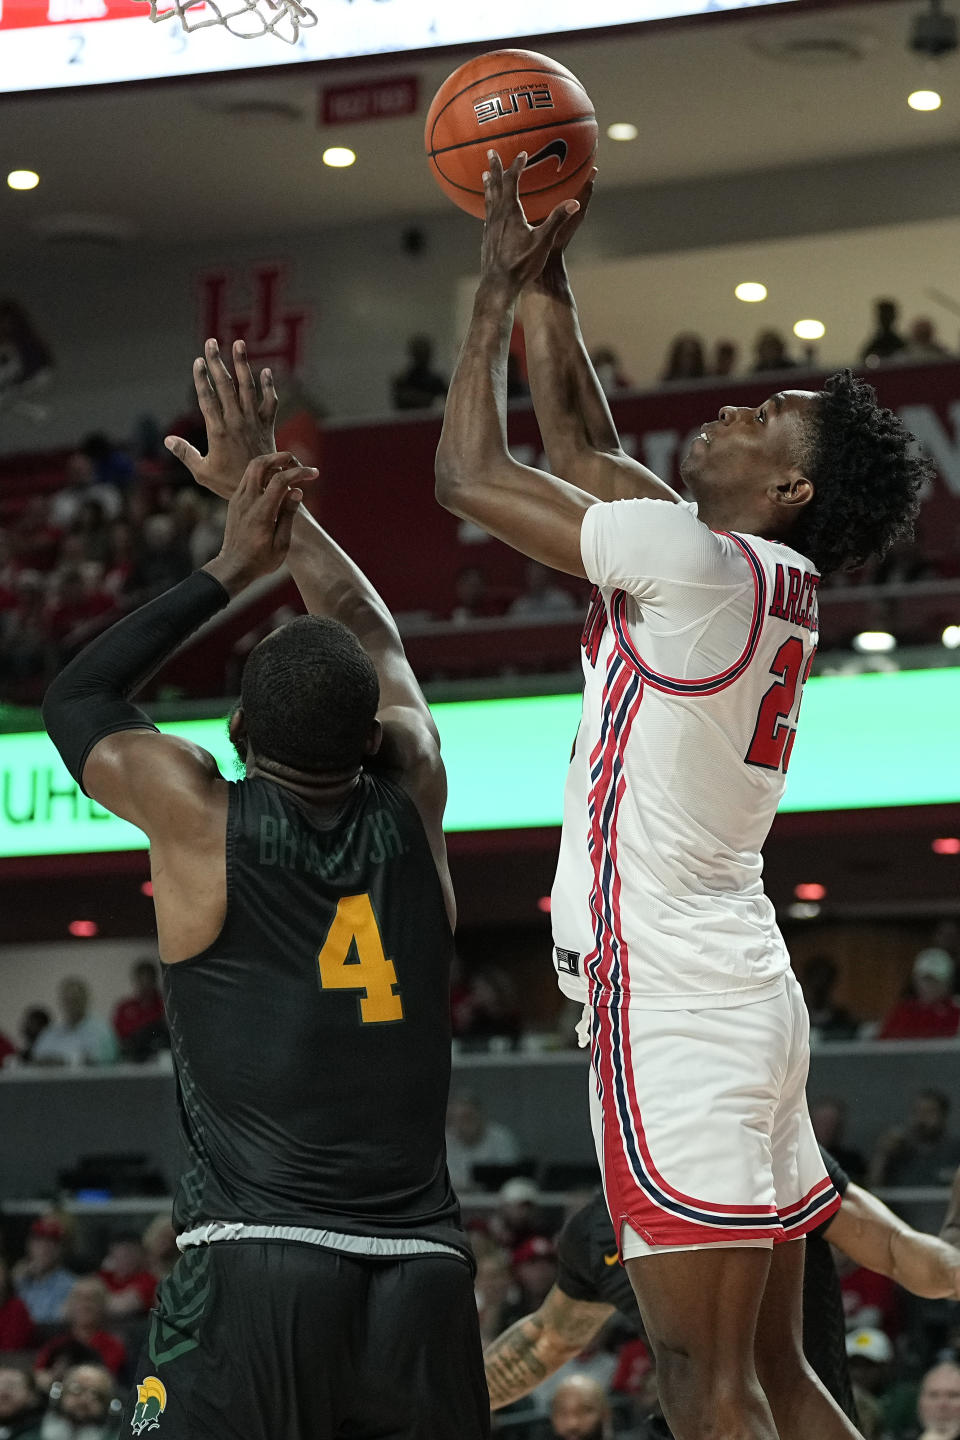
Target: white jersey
695,651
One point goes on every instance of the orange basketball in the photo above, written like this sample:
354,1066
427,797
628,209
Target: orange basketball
508,101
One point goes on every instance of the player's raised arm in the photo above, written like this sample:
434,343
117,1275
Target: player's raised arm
578,431
107,743
875,1238
476,476
237,419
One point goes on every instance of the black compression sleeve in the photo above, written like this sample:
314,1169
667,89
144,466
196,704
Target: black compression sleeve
90,697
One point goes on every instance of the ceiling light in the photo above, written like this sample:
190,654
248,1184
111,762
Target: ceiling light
946,845
951,637
809,329
622,130
874,642
338,157
924,100
801,910
810,891
23,179
83,929
751,291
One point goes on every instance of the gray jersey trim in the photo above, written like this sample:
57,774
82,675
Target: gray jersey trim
375,1246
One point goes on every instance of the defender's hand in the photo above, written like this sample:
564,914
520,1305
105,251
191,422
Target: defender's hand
515,252
239,423
260,520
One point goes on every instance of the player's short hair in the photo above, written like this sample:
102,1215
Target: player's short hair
309,694
866,472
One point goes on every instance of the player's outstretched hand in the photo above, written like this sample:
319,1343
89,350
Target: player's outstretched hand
256,537
514,251
240,422
573,222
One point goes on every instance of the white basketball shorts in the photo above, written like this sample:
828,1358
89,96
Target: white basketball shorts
701,1124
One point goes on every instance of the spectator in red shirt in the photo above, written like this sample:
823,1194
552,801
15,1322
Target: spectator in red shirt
870,1300
139,1020
17,1330
7,1048
931,1013
535,1270
124,1272
86,1335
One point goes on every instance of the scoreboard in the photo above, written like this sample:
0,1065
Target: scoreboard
56,44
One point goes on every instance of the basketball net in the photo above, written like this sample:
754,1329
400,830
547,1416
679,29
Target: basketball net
246,19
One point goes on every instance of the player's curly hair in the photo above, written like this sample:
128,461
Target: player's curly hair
866,472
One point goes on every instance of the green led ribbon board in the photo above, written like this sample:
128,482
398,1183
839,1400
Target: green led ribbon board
865,741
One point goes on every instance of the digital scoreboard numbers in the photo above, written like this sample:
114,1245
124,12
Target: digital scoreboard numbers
56,44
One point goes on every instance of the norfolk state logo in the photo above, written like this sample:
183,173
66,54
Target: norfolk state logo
151,1403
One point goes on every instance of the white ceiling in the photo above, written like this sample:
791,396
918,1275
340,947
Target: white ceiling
173,161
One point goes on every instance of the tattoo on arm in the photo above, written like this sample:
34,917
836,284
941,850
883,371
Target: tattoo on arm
532,1349
512,1364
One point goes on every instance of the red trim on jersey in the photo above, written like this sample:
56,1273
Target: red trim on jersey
710,684
610,747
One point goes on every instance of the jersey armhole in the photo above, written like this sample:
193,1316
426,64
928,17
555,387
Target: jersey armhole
710,684
229,853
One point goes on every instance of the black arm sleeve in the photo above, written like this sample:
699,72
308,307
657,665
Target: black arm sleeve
90,697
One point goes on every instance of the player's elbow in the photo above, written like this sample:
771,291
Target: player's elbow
451,476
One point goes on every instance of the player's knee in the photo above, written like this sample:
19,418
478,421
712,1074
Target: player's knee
705,1400
783,1373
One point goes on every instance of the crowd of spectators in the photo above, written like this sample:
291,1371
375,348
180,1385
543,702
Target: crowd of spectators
126,526
70,1331
136,1029
690,358
928,1009
486,1013
421,386
128,522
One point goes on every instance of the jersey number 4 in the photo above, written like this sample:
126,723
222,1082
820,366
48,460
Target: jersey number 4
352,958
773,735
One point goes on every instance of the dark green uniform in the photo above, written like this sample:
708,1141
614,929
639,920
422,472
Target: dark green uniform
326,1286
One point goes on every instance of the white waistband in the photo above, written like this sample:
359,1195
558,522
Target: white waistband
375,1246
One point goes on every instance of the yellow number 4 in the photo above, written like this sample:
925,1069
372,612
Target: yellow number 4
355,928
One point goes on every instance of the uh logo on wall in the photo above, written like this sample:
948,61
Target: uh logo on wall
251,305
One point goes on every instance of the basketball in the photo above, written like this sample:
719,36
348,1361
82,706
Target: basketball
508,101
